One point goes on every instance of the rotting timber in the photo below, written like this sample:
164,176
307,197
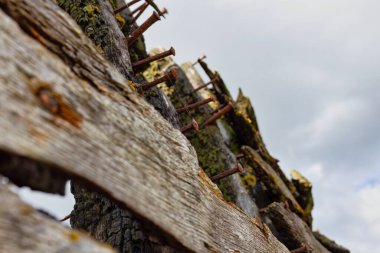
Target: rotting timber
140,186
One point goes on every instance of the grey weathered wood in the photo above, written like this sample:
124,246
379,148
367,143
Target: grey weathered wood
47,23
118,145
267,174
292,231
25,230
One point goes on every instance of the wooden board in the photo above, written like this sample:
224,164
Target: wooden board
292,231
25,230
119,145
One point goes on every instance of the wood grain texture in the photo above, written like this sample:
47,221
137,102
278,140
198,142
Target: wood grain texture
293,232
119,145
46,22
269,176
25,230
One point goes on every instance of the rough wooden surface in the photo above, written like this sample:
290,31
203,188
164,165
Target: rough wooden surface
47,23
119,145
25,230
292,231
265,173
329,244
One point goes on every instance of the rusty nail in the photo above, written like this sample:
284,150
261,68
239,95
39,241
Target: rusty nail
239,156
141,11
193,125
48,100
227,173
195,105
156,57
301,249
170,76
200,59
163,12
125,6
141,7
215,79
217,109
66,218
218,115
285,204
142,28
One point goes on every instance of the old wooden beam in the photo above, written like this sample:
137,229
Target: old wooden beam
23,229
292,231
118,145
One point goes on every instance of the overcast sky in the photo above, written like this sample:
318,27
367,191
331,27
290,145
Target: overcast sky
311,69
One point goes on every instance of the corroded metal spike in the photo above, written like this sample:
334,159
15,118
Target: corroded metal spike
192,125
170,76
239,156
218,115
163,12
125,6
195,105
142,28
215,79
141,11
156,57
217,109
200,59
144,5
227,173
302,249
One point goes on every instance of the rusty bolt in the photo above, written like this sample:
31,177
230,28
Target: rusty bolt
142,28
192,125
227,173
218,115
156,57
170,76
196,105
125,6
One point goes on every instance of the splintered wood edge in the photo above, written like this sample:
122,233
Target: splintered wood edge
24,229
123,149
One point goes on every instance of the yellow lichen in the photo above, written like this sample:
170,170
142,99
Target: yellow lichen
120,20
249,180
73,235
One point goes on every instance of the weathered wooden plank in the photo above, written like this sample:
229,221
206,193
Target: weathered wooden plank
292,231
46,22
267,174
25,230
329,244
121,147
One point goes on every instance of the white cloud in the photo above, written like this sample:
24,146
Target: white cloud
369,207
314,173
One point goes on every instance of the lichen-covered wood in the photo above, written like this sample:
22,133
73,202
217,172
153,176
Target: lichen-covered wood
118,145
25,230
